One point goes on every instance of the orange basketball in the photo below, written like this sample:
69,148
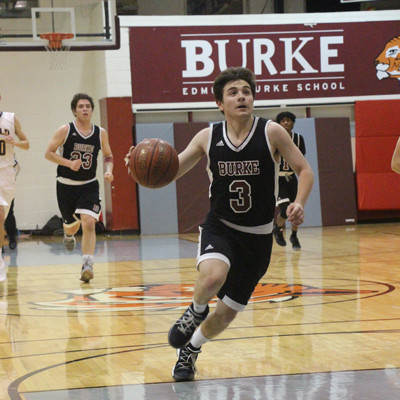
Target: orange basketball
153,163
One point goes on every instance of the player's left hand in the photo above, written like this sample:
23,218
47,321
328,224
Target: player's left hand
127,158
10,139
295,213
108,176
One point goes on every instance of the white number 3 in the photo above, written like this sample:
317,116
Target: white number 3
243,203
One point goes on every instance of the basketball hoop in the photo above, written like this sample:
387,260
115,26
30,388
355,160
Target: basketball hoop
57,49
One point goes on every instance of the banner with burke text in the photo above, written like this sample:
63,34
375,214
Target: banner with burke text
173,67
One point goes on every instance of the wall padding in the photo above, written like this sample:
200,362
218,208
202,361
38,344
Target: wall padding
378,189
377,131
374,154
335,168
377,118
192,189
121,197
158,210
181,206
306,127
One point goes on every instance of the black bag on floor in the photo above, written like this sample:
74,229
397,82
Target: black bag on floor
54,224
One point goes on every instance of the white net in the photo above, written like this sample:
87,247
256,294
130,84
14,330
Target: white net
58,57
57,49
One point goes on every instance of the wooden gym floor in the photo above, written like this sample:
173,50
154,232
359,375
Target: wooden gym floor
324,323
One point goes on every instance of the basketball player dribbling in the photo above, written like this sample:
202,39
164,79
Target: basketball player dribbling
79,143
235,241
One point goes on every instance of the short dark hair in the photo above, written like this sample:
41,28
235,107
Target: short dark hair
81,96
285,114
233,74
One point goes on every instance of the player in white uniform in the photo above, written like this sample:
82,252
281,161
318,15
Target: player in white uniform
11,136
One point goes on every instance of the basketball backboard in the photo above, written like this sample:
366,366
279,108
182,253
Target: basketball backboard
93,23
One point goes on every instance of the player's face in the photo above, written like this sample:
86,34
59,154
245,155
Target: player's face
83,110
237,99
288,124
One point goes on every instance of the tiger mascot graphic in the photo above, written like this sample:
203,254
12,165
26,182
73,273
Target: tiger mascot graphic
388,62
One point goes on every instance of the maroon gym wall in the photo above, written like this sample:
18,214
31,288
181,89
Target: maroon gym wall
192,188
335,169
121,197
377,131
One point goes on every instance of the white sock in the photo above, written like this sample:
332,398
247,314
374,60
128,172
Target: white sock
198,339
199,308
87,257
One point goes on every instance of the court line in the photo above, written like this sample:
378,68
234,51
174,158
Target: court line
15,395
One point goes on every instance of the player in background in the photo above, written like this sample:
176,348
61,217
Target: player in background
11,136
235,241
11,223
287,183
75,147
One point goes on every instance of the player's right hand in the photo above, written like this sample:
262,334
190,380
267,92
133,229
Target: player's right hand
75,164
295,213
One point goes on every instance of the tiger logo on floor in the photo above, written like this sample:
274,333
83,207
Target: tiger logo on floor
159,297
387,64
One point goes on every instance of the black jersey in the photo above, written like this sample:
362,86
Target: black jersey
86,148
244,179
299,142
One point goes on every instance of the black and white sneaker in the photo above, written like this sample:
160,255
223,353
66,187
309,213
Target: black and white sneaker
183,329
295,242
87,271
69,242
12,242
278,234
185,367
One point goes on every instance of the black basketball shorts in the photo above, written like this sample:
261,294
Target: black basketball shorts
287,189
74,200
248,256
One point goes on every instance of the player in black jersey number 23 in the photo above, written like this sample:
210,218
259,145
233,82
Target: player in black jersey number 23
75,147
236,238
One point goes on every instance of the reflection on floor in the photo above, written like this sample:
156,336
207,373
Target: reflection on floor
318,386
324,325
47,250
